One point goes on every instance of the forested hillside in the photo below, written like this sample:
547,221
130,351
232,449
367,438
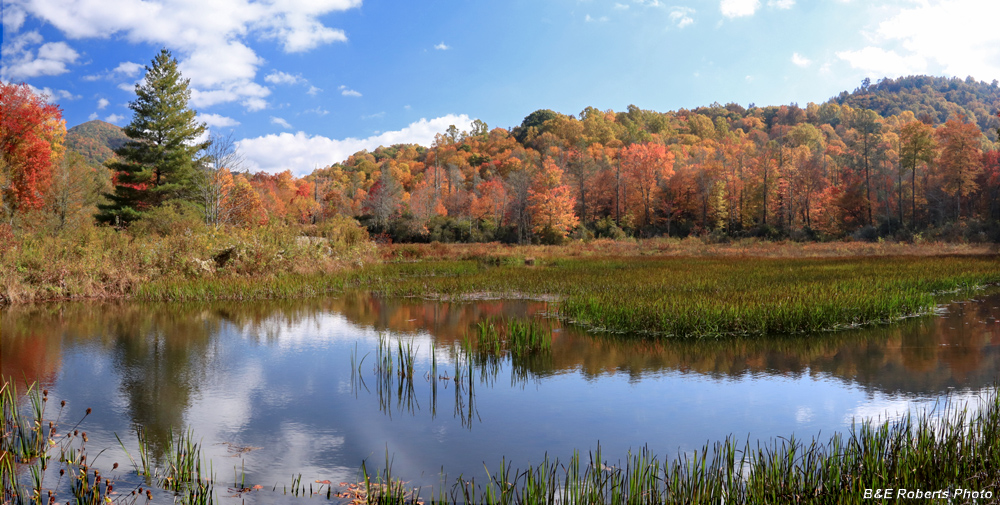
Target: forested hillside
95,140
919,163
909,158
932,99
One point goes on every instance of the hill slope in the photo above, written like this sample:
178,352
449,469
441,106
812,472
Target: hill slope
95,140
939,98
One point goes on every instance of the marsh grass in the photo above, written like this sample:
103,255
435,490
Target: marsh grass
948,449
705,297
512,337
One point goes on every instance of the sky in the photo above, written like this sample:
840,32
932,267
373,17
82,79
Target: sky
302,84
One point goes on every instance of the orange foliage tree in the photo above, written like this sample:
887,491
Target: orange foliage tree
31,134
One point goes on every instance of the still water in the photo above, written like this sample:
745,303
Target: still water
293,383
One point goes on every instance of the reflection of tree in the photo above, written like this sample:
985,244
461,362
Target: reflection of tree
163,351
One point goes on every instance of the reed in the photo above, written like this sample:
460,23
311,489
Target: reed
511,337
947,450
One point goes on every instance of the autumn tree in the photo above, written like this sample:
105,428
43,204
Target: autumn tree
645,165
550,202
960,159
916,145
31,135
159,163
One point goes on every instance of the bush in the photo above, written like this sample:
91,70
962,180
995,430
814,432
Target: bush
169,219
607,228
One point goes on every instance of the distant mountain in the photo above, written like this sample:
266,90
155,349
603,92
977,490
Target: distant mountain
96,140
936,98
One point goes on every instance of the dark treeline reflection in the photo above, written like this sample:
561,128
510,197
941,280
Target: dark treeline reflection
162,352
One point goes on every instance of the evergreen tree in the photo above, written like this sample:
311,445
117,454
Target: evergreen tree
159,162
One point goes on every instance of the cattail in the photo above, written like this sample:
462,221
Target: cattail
62,403
76,432
88,411
149,495
62,471
45,392
85,436
114,466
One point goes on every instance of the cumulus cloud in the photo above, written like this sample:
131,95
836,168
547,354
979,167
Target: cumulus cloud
878,62
344,90
801,61
53,95
102,103
958,35
301,152
217,121
128,68
589,19
621,6
441,47
281,122
681,16
781,4
207,36
738,8
278,77
313,90
115,118
92,116
23,61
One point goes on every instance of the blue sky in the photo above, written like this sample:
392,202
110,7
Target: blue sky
305,83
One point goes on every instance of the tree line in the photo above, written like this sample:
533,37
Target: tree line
815,172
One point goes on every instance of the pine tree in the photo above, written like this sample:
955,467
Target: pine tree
159,163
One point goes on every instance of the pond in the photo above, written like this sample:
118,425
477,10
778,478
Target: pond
275,389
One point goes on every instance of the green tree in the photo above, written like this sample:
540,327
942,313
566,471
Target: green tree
159,163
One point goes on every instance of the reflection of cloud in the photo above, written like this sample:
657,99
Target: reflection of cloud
882,408
804,415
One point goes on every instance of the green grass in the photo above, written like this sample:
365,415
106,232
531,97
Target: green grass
514,337
702,297
950,450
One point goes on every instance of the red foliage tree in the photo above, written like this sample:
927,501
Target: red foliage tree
31,133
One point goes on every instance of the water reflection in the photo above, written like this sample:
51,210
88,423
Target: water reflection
291,377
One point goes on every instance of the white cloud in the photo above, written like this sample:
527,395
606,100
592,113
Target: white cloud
13,18
681,16
877,62
958,35
102,103
278,77
115,118
442,47
377,115
648,3
620,6
344,90
280,122
738,8
589,19
128,68
319,111
208,36
801,61
92,116
301,153
781,4
53,95
313,90
22,61
217,121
